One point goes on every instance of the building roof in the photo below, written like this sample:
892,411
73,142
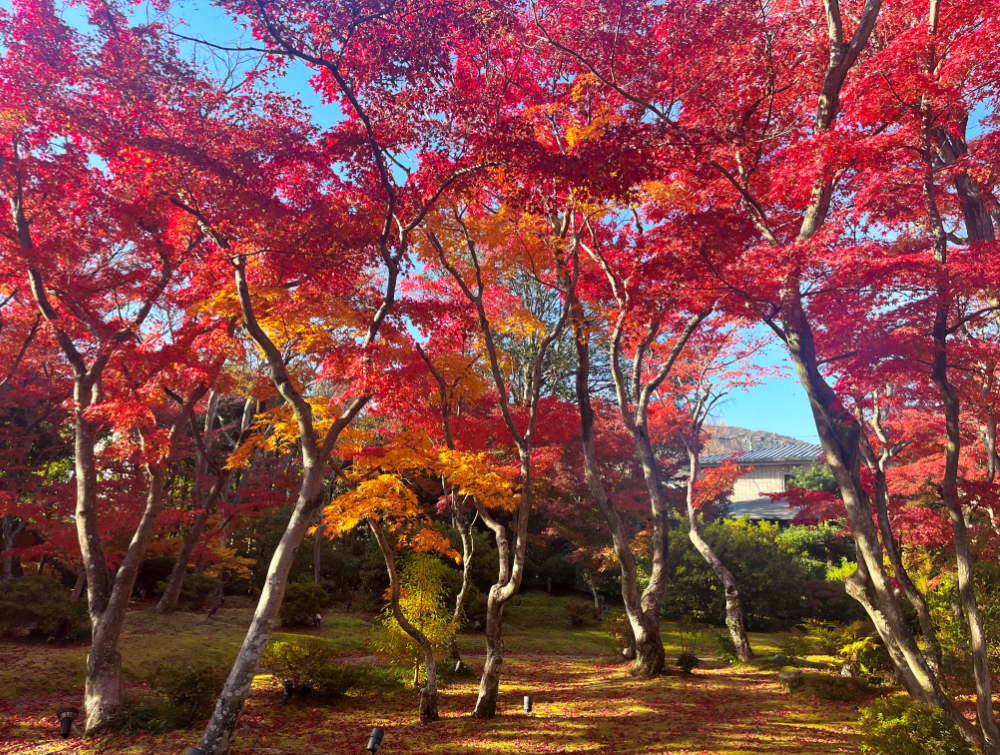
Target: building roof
762,508
798,453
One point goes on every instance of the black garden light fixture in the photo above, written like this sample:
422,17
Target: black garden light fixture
289,691
528,703
66,718
375,739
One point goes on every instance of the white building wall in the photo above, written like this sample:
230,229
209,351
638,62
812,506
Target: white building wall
760,480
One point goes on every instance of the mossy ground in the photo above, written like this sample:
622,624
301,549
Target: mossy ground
584,703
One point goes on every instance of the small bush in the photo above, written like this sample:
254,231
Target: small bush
726,647
795,647
191,685
687,662
840,689
619,628
902,726
579,613
309,664
151,714
303,600
42,607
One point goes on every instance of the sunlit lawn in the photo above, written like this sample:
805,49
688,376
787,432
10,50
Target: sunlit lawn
582,704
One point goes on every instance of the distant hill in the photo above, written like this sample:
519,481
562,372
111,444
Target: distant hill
725,439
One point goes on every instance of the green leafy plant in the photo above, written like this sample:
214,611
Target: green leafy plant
619,628
42,608
794,646
726,648
579,613
310,665
901,726
191,684
302,601
423,603
834,688
151,714
687,662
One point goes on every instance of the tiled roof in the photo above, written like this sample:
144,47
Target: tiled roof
799,453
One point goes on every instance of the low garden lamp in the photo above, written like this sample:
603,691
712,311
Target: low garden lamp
289,691
66,718
375,739
528,703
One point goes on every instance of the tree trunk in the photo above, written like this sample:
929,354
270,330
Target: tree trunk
468,551
643,611
429,693
168,601
81,580
734,607
10,533
839,436
220,730
317,550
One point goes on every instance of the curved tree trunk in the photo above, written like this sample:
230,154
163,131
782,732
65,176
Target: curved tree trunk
222,726
734,607
429,693
468,552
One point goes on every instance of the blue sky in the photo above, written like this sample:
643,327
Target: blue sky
778,406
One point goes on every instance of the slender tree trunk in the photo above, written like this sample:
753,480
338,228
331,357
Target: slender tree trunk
317,551
468,552
221,728
963,556
10,533
643,611
81,580
734,606
429,693
932,650
172,593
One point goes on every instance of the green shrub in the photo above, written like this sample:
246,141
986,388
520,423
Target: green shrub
579,613
423,604
42,607
770,575
726,647
151,714
309,664
841,689
302,601
687,662
191,685
794,646
902,726
619,628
